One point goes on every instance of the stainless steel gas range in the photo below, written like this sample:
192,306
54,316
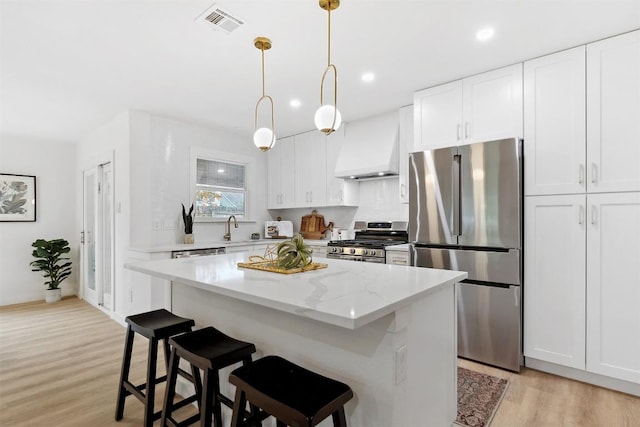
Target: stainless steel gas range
370,241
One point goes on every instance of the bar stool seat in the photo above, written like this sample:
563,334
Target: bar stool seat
294,395
210,350
154,325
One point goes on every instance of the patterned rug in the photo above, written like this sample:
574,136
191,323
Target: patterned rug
478,397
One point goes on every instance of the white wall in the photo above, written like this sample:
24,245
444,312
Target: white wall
167,152
53,164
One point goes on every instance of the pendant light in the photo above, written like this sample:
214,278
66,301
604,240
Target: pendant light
264,137
328,117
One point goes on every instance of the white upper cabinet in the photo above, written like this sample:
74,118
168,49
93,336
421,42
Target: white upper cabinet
613,114
280,161
405,143
310,169
340,192
554,123
492,105
554,279
613,285
438,116
484,107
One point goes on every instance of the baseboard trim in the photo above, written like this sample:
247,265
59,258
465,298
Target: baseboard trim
583,376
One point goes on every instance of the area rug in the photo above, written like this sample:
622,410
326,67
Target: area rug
478,397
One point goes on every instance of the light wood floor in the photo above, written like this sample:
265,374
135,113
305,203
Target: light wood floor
60,364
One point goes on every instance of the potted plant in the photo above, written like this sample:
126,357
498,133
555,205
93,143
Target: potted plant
50,260
187,218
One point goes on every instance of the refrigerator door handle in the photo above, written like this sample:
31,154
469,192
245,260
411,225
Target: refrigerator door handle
455,181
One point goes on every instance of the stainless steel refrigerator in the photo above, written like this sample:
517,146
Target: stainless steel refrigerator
465,213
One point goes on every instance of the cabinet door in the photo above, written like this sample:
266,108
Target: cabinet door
554,123
405,141
310,169
340,192
613,285
280,165
438,116
554,279
492,105
287,174
613,114
274,183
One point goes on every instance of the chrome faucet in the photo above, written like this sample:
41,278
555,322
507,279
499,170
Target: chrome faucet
227,235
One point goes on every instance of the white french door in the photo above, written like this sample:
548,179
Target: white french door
97,236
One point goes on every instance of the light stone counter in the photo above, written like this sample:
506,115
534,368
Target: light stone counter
387,331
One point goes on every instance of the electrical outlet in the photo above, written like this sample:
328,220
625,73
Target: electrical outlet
156,224
401,364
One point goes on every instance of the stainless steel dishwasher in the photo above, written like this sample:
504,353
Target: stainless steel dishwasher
198,252
190,253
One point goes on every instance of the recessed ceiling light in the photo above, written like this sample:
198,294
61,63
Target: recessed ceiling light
368,77
485,34
220,170
295,103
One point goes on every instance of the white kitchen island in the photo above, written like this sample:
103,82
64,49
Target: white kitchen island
388,331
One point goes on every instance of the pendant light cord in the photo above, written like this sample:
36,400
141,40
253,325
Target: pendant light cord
262,50
329,37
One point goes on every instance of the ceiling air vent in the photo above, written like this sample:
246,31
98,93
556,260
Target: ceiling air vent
220,19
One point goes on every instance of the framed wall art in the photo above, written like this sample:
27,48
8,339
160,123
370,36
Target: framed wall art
17,198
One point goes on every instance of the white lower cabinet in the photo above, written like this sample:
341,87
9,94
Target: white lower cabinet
397,257
613,285
582,282
554,279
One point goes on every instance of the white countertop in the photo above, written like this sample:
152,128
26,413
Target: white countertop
347,294
173,247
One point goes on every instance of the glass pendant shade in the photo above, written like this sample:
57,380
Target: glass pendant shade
324,119
264,139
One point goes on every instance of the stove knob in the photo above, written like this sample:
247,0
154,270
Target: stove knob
373,252
352,251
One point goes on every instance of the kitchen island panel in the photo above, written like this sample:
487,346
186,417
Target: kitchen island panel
368,358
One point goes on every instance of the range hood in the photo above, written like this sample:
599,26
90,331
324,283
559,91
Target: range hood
370,148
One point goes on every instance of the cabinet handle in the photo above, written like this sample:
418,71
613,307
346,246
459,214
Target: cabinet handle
466,130
580,173
310,196
594,215
580,214
594,173
402,187
458,131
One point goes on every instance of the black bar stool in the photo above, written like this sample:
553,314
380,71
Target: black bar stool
210,350
154,325
294,395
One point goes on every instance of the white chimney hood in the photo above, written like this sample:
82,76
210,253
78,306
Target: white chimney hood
370,148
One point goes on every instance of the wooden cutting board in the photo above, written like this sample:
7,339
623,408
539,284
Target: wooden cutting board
313,227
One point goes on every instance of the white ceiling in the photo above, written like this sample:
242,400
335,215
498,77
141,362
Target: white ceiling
68,66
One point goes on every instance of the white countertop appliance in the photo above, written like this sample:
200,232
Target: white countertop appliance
278,229
369,242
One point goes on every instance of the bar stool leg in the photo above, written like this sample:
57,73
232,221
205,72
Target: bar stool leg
239,403
217,407
124,374
170,392
151,383
197,384
207,400
339,418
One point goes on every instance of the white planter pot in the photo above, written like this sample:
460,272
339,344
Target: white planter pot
52,295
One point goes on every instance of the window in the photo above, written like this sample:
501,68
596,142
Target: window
220,188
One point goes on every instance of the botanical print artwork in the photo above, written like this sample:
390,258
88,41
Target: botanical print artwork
17,197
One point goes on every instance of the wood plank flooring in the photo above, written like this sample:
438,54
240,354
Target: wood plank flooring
60,364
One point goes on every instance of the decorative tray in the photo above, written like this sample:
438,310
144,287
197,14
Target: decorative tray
270,266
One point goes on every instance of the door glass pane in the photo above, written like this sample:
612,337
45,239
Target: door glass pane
90,229
107,216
